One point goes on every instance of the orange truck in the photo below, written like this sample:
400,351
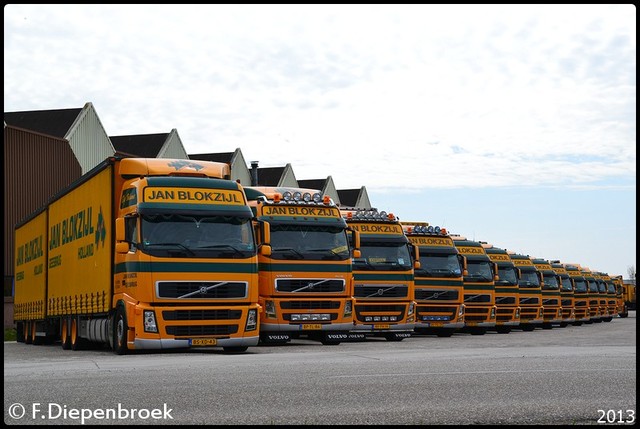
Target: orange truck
607,289
507,290
597,302
623,310
581,294
306,281
566,294
439,288
132,256
530,285
383,276
479,286
551,296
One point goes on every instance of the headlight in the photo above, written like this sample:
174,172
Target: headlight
150,324
270,309
252,320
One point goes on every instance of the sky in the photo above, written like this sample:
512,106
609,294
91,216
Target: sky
510,124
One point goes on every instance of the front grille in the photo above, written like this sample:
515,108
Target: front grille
445,313
505,300
436,295
310,305
381,291
202,290
477,298
333,316
202,314
386,310
310,285
566,303
551,302
197,331
529,301
476,314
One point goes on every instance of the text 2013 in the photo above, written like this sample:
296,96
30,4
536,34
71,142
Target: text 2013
617,416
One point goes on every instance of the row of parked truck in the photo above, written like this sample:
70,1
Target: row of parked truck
161,254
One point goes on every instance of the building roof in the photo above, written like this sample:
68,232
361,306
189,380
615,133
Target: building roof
270,176
313,183
215,157
140,145
349,197
50,122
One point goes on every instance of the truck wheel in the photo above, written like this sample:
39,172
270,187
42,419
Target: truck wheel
77,343
235,349
34,338
26,332
120,329
503,329
65,338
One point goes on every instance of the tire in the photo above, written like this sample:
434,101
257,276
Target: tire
235,349
392,337
503,329
65,337
26,332
547,326
34,338
77,343
120,329
20,332
528,328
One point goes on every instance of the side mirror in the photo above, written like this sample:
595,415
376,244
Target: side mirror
265,250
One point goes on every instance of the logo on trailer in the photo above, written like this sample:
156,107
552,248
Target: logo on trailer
180,163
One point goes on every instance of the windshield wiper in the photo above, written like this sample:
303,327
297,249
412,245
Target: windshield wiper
289,249
221,246
182,246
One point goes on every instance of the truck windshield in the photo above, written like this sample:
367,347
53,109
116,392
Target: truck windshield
438,265
551,282
566,283
593,286
602,287
178,235
581,286
383,257
529,279
507,276
479,271
310,242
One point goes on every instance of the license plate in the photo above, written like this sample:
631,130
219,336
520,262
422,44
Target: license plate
437,324
311,326
381,326
472,323
199,342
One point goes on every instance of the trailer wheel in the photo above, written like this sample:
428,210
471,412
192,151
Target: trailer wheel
77,343
26,332
65,337
120,329
34,338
